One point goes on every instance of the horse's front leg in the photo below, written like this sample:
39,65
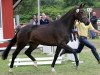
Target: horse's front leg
58,49
66,47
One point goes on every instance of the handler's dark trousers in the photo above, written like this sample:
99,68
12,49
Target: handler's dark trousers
84,42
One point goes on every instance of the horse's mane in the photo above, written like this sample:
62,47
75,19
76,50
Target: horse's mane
68,13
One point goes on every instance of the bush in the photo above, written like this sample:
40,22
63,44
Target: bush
26,9
50,11
97,4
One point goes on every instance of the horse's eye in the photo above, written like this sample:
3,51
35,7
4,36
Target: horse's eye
81,12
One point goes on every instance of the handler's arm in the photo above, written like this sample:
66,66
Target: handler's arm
93,29
96,31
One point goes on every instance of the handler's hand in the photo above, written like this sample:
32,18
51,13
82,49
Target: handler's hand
98,32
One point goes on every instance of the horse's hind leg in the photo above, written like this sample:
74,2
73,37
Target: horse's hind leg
20,46
66,47
32,47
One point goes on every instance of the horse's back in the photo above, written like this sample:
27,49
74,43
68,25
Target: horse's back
47,34
24,33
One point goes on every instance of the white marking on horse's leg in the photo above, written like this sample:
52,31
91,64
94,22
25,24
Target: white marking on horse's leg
10,70
35,64
53,70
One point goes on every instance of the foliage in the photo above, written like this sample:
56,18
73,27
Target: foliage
53,12
27,8
51,2
97,4
75,2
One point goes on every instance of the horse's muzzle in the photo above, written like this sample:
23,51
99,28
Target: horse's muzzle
87,23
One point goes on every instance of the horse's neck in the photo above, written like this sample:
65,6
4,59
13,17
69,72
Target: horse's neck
68,22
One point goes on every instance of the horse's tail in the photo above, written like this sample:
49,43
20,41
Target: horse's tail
11,43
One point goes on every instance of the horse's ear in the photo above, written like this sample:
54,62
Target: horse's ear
82,5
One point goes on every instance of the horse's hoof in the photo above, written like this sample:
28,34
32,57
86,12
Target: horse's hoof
35,64
53,70
10,70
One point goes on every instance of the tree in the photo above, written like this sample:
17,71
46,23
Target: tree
26,9
75,2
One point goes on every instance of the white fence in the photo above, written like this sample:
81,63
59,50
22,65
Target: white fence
40,61
4,40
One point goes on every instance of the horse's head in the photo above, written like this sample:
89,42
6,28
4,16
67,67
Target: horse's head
80,14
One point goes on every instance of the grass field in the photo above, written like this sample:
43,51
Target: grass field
89,67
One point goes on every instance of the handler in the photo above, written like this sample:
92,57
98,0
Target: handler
83,34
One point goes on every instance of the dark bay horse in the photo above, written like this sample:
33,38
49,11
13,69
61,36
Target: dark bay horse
53,34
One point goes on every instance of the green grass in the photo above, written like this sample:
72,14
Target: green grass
89,67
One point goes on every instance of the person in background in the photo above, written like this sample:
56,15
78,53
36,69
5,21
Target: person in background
94,20
49,18
83,41
44,19
94,23
33,20
58,17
